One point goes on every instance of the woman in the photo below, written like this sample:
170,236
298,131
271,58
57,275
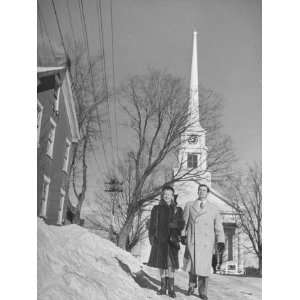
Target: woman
166,223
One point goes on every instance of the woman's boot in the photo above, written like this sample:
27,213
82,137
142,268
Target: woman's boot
192,284
163,286
171,289
191,290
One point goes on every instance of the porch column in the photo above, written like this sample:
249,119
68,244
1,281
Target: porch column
240,251
236,246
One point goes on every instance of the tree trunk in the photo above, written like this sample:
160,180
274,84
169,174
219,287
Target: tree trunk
260,265
76,219
124,233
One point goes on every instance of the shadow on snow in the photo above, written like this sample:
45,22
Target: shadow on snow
144,280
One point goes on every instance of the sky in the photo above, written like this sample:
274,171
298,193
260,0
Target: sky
159,34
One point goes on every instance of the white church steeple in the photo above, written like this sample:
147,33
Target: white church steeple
194,96
192,156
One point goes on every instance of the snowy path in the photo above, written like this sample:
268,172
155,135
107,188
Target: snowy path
220,287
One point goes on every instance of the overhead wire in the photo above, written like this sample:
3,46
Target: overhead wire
59,29
43,24
113,76
83,23
42,38
85,36
92,82
70,21
102,47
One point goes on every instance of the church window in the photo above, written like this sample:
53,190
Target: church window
192,160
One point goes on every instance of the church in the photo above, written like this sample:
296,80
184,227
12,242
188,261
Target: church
192,158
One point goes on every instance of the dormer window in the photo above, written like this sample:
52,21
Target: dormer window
192,160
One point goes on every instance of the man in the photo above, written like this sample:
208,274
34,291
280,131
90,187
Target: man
203,228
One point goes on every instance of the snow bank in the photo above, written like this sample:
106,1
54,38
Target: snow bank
76,264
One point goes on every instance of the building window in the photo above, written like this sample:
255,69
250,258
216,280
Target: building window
44,198
192,161
66,156
61,206
51,138
56,93
39,120
56,99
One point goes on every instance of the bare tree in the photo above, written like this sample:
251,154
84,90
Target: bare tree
247,198
89,97
157,107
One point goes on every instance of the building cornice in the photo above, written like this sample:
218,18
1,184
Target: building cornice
70,107
68,97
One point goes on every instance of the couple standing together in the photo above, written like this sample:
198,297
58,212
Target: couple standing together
197,227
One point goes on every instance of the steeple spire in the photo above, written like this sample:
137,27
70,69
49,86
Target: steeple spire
194,97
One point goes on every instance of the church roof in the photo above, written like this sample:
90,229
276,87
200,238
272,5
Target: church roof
224,204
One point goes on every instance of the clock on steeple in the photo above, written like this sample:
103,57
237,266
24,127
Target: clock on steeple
193,139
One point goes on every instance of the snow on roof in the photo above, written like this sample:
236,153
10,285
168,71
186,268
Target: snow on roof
49,69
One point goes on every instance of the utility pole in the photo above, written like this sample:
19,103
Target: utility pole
114,186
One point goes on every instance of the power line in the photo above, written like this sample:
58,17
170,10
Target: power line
113,74
70,21
42,38
43,24
92,82
59,28
81,21
101,39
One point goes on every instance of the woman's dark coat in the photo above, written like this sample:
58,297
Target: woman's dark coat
166,223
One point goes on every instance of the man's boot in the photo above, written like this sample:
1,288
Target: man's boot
163,286
202,287
171,289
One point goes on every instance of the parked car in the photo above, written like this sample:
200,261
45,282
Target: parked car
231,268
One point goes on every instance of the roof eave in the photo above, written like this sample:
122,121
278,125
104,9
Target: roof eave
70,106
44,71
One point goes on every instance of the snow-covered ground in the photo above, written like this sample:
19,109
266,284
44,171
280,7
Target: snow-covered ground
74,263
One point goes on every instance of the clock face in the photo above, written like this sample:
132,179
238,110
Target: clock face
193,139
